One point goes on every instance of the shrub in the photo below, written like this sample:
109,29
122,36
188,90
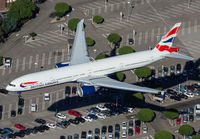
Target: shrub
145,115
143,72
196,136
162,134
125,50
186,130
98,19
120,76
114,38
138,96
101,56
171,114
61,8
90,41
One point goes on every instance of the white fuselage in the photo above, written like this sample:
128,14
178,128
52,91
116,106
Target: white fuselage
91,69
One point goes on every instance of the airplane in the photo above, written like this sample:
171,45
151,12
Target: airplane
92,74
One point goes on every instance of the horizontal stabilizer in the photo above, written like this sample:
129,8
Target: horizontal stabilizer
180,56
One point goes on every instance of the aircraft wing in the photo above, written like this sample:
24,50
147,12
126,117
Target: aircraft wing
110,83
79,49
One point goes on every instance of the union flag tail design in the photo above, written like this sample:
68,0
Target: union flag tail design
166,42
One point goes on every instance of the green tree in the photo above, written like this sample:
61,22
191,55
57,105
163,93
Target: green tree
72,23
21,10
120,76
143,72
125,50
196,136
145,115
61,8
8,25
114,38
101,56
98,19
90,41
138,96
171,114
186,130
162,134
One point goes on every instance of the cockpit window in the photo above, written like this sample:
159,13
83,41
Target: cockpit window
12,85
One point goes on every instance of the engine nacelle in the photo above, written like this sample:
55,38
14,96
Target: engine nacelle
62,64
86,90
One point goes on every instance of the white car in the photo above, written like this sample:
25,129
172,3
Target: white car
124,133
8,62
189,94
88,119
130,110
101,107
110,135
50,125
61,116
144,129
101,115
124,125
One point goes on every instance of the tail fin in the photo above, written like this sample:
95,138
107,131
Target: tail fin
166,42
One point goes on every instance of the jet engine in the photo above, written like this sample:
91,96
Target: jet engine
62,64
86,91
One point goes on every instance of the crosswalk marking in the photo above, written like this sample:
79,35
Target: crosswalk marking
49,59
140,38
30,62
43,59
158,34
56,56
189,27
23,63
152,35
9,70
17,65
36,61
146,37
195,25
63,55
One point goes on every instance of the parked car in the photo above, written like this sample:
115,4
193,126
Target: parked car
90,134
172,70
40,121
80,119
137,123
61,116
19,111
185,118
21,102
131,124
101,107
124,125
110,135
51,125
178,68
62,137
76,136
145,129
8,62
117,127
104,129
19,126
74,121
137,130
46,96
198,116
189,94
87,118
130,41
13,113
191,118
101,115
110,129
191,110
8,130
74,113
67,90
130,132
124,133
74,90
165,70
178,121
69,137
116,135
97,131
92,116
33,107
175,98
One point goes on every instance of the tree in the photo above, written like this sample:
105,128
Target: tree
162,134
145,115
98,19
125,50
72,23
61,8
120,76
1,60
143,72
90,41
196,136
22,10
101,56
114,38
171,114
8,25
186,130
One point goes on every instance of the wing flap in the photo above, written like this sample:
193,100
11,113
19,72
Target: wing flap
110,83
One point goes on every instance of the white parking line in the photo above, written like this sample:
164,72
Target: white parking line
30,102
56,56
9,110
195,25
140,38
17,65
43,59
36,60
23,63
30,62
37,102
49,59
189,27
3,112
63,54
158,34
152,35
146,37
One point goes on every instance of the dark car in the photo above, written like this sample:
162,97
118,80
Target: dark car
27,131
62,137
83,135
40,128
34,131
76,136
11,136
69,137
19,111
44,127
116,135
74,90
117,127
178,68
8,130
67,90
130,132
80,119
20,134
182,96
1,110
104,129
130,41
13,113
94,117
110,129
171,92
40,121
191,117
74,121
3,91
21,102
108,105
137,123
1,131
175,98
96,131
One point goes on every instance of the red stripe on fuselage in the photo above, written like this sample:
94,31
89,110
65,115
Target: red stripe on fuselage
29,82
166,48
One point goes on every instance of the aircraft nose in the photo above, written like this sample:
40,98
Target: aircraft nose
8,88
